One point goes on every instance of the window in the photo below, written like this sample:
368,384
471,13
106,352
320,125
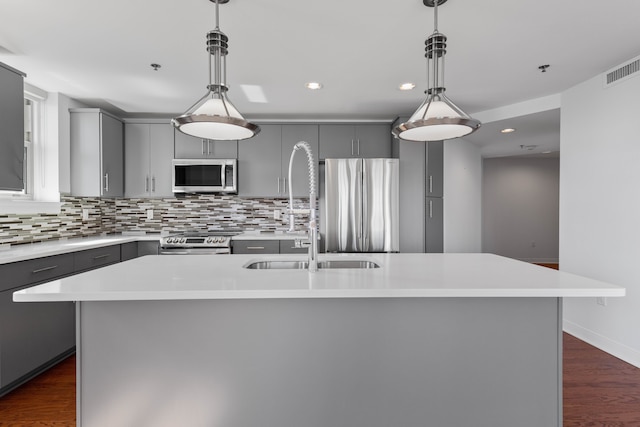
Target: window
40,193
32,114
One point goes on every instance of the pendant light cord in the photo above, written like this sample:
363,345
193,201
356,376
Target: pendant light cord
435,15
217,17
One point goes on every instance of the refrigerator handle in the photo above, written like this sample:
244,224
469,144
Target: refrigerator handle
364,237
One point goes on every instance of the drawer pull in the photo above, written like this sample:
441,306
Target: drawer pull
101,256
40,270
255,247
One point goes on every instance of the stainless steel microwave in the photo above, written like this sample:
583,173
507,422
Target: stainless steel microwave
205,176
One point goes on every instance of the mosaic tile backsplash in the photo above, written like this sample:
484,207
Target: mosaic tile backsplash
108,216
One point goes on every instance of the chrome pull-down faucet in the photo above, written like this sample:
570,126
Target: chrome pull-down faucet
313,227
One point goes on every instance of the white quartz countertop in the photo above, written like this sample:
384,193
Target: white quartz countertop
63,246
179,277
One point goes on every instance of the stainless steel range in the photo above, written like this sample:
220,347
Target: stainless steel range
214,242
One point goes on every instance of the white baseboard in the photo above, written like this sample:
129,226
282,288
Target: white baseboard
612,347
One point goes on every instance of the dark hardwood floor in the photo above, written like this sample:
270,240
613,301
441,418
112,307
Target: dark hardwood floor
599,390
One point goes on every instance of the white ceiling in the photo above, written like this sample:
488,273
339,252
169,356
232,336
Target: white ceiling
361,50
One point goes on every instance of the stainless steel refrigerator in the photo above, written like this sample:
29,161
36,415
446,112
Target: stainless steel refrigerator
361,205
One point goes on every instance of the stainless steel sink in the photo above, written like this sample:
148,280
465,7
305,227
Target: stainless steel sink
302,265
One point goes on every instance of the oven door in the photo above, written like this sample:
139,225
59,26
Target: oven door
195,251
204,176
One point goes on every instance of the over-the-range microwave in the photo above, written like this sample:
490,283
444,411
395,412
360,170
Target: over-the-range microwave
205,176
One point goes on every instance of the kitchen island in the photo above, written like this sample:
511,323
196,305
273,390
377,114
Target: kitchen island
425,339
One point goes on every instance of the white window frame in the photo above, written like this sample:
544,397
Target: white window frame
29,201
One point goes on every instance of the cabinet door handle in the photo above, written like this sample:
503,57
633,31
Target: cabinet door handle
255,248
430,208
209,147
153,184
430,183
40,270
146,184
204,141
284,185
352,147
106,182
358,147
101,256
278,185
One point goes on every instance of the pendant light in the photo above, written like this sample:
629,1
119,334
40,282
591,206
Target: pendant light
437,118
214,116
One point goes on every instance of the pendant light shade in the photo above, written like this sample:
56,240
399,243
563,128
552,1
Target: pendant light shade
213,116
437,118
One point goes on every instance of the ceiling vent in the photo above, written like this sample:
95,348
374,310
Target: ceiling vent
622,73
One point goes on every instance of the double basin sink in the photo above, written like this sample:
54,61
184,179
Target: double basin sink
303,265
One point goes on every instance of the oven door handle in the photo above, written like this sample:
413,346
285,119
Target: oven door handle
208,251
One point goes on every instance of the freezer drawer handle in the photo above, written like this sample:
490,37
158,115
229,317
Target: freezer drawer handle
255,248
41,270
101,256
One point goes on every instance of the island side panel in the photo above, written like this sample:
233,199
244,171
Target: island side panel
375,362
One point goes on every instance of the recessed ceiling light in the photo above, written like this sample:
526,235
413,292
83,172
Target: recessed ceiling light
508,130
407,86
313,85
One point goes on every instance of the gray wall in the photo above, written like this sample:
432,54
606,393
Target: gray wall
462,196
520,208
600,210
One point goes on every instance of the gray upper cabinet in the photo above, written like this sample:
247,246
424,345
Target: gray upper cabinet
263,161
346,141
190,147
435,171
148,155
97,154
11,128
259,164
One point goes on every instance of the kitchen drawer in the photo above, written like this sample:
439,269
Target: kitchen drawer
256,247
94,258
34,271
289,247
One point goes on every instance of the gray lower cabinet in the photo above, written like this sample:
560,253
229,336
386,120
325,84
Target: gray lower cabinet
97,154
349,140
137,249
289,247
11,128
33,335
190,147
434,231
284,246
95,258
148,155
255,247
128,251
148,248
263,161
